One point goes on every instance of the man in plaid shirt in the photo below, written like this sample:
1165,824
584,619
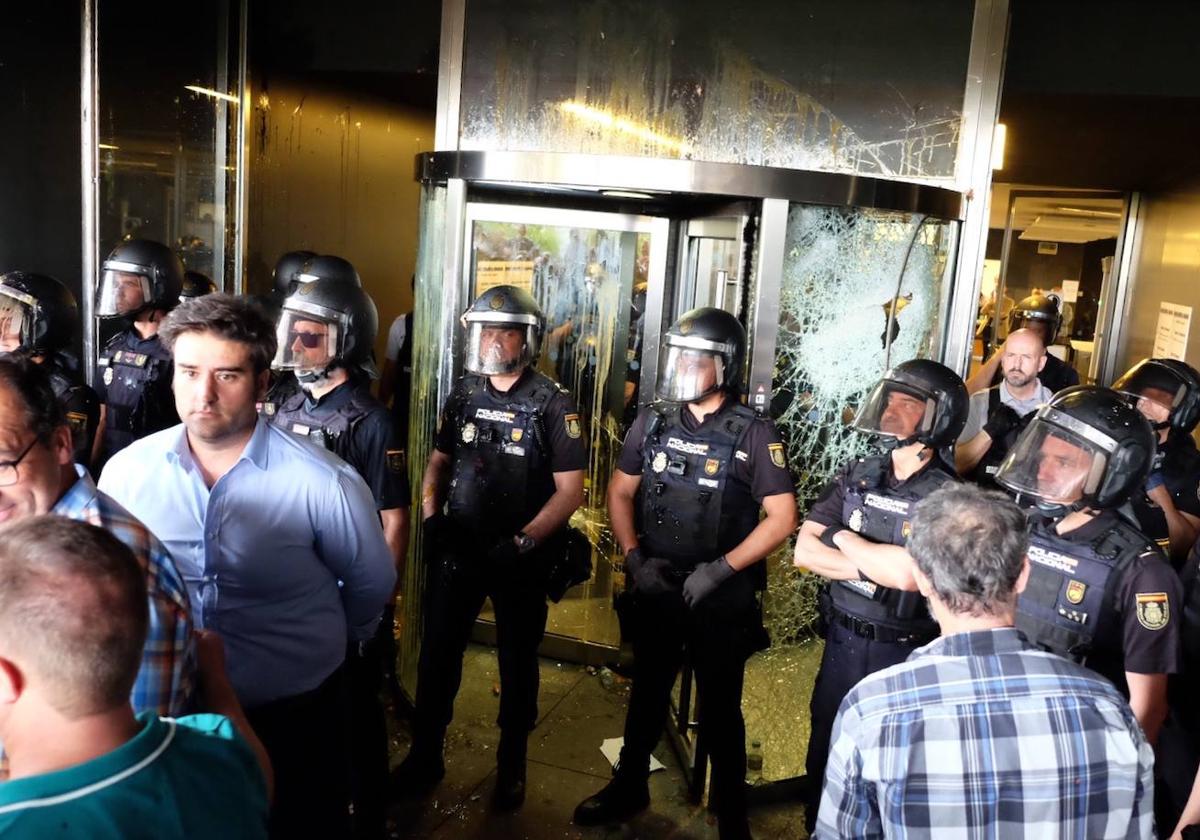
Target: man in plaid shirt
38,476
980,734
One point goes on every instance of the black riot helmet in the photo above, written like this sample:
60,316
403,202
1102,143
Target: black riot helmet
39,310
286,269
1037,309
1087,447
703,352
324,325
918,401
330,269
139,275
196,285
1166,391
496,311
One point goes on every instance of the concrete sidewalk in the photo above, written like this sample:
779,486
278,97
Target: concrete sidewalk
577,711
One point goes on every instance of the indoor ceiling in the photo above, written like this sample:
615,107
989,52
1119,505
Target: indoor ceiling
1067,216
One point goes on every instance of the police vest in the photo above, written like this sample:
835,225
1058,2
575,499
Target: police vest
691,511
985,471
138,385
283,386
80,404
332,430
883,514
1069,594
501,474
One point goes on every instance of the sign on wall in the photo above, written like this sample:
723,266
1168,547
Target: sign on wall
1171,335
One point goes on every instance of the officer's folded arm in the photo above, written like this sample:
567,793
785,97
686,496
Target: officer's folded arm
817,557
769,534
888,565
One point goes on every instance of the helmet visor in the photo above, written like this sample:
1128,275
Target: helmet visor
15,322
123,291
686,374
500,348
307,342
899,411
1153,389
1054,464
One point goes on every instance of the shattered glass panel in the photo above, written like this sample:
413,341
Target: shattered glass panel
584,279
861,290
864,86
429,327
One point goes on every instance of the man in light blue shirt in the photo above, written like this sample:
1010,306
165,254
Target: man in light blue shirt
278,543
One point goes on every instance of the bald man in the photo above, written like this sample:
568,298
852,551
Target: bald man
998,414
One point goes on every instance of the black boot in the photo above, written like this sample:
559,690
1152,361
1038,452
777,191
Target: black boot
421,769
733,826
509,794
626,795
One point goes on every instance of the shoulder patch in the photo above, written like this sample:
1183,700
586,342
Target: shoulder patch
571,421
776,450
1153,610
395,460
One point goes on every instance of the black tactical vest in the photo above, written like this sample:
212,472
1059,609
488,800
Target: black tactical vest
883,514
138,385
284,385
690,510
1069,596
985,471
330,430
501,474
80,404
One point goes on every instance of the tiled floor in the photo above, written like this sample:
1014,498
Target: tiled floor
578,711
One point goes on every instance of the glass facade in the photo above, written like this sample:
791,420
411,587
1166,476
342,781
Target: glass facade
861,290
862,86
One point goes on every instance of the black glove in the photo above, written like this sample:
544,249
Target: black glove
433,531
829,533
1001,421
648,575
504,556
705,579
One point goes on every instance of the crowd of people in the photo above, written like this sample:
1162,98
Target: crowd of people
199,561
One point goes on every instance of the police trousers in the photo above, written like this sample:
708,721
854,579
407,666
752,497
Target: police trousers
716,638
848,657
458,581
368,743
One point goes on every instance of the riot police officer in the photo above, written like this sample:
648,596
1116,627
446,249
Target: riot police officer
507,468
854,536
293,270
1167,393
1040,314
1099,590
141,283
326,330
696,469
196,285
41,320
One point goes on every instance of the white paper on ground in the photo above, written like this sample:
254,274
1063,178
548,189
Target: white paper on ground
612,751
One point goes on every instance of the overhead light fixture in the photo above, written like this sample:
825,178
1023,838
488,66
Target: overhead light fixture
623,125
1087,211
625,194
109,146
215,94
999,135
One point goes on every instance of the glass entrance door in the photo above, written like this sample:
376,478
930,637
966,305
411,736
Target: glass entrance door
593,275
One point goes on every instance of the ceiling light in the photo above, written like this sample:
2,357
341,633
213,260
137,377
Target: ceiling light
625,194
998,137
1085,211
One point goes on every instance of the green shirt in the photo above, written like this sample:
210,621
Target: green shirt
188,778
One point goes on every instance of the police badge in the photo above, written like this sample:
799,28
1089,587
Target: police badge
856,520
776,450
468,432
711,466
1153,610
572,424
108,376
659,463
1075,591
517,434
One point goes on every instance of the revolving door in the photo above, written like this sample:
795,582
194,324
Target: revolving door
834,277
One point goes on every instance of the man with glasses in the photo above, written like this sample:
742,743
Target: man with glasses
38,476
326,331
279,547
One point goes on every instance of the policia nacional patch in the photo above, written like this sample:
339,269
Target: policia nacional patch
395,460
776,450
572,424
1153,610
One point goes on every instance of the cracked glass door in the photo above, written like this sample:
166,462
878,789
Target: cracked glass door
590,273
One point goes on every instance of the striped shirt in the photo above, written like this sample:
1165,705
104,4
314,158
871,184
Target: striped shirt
980,735
167,675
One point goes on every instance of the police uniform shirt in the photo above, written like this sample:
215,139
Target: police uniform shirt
1180,473
374,448
560,418
1056,375
128,341
1147,601
827,509
758,462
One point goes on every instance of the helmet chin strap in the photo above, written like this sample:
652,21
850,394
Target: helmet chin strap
310,379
